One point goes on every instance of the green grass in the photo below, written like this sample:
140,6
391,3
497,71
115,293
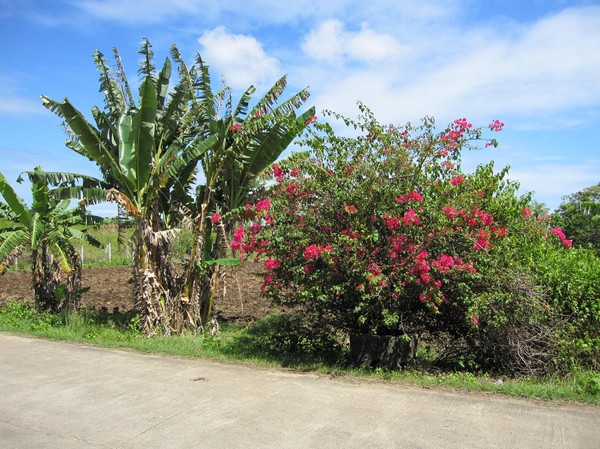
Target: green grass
92,256
105,234
269,342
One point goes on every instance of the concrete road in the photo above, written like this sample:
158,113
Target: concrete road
55,395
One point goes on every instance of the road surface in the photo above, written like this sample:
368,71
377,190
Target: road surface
57,395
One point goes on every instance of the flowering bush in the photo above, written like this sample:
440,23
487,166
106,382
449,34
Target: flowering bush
382,233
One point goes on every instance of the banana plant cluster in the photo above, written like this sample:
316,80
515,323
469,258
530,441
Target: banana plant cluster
169,160
47,229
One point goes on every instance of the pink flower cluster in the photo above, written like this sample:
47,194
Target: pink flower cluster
421,266
391,221
272,264
235,127
312,119
412,196
350,208
561,235
444,263
263,205
278,172
483,240
248,243
411,218
215,219
314,251
458,180
450,212
456,132
496,125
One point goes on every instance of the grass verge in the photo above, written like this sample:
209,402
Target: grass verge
274,342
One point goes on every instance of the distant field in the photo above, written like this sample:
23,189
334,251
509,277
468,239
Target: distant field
112,253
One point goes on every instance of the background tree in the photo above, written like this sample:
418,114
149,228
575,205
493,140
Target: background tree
578,217
47,230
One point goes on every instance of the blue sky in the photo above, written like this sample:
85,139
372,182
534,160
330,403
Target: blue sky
534,64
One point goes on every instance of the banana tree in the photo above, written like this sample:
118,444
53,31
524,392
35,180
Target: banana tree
248,141
150,154
47,230
147,154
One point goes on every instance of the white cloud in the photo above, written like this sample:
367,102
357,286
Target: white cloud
240,58
332,43
542,70
553,181
138,11
14,103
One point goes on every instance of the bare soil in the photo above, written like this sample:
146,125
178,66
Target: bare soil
238,300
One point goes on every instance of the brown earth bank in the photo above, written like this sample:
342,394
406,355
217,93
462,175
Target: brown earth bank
239,301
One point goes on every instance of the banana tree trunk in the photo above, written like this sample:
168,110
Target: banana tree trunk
194,279
45,281
73,283
157,289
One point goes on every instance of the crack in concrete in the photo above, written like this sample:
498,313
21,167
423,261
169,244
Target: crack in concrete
60,435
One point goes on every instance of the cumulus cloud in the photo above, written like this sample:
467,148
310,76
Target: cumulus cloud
540,70
241,58
332,43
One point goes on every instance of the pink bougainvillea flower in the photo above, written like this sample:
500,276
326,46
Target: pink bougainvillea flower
486,219
496,125
312,119
295,172
475,320
462,124
350,208
458,180
559,233
255,228
526,212
391,221
500,232
215,219
444,263
563,238
263,205
235,127
415,196
312,252
450,212
482,240
411,218
277,172
272,264
326,248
